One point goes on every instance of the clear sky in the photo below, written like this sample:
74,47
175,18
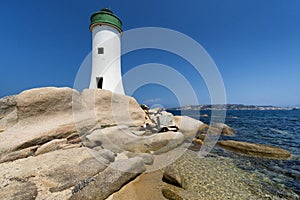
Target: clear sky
255,44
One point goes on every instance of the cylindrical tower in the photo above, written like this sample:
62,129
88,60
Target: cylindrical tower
106,30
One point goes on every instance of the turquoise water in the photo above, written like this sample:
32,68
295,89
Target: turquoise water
277,128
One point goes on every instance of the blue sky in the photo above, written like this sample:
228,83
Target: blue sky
255,44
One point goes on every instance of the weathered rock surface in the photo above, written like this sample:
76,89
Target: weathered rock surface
174,193
57,144
172,175
111,109
53,173
19,189
221,128
8,112
255,149
7,105
112,138
8,120
21,137
53,145
205,135
189,126
43,114
148,158
157,143
107,154
15,155
45,102
198,141
139,133
115,176
147,186
37,116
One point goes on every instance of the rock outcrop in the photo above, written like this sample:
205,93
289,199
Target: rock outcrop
221,128
148,158
43,103
53,145
255,149
20,189
56,143
54,173
189,126
111,109
43,114
7,105
157,143
111,180
214,130
172,176
8,112
113,138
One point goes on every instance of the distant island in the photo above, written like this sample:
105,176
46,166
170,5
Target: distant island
232,107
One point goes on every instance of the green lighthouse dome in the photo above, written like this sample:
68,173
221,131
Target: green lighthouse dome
106,17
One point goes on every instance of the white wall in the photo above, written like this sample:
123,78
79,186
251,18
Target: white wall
107,65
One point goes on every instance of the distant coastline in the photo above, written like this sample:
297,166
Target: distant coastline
232,107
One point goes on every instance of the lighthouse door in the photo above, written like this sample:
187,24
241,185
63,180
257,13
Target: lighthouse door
99,81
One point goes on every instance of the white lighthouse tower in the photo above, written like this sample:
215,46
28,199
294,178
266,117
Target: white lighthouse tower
106,31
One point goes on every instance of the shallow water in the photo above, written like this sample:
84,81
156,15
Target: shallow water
278,128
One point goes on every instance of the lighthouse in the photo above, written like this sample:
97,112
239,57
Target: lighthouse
106,30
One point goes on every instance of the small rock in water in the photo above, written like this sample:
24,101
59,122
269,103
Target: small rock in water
255,149
201,136
221,128
171,175
198,141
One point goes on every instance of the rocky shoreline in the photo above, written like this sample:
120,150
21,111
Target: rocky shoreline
56,143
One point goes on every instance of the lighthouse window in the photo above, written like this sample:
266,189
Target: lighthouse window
101,50
99,81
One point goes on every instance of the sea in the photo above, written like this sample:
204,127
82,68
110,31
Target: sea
279,128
